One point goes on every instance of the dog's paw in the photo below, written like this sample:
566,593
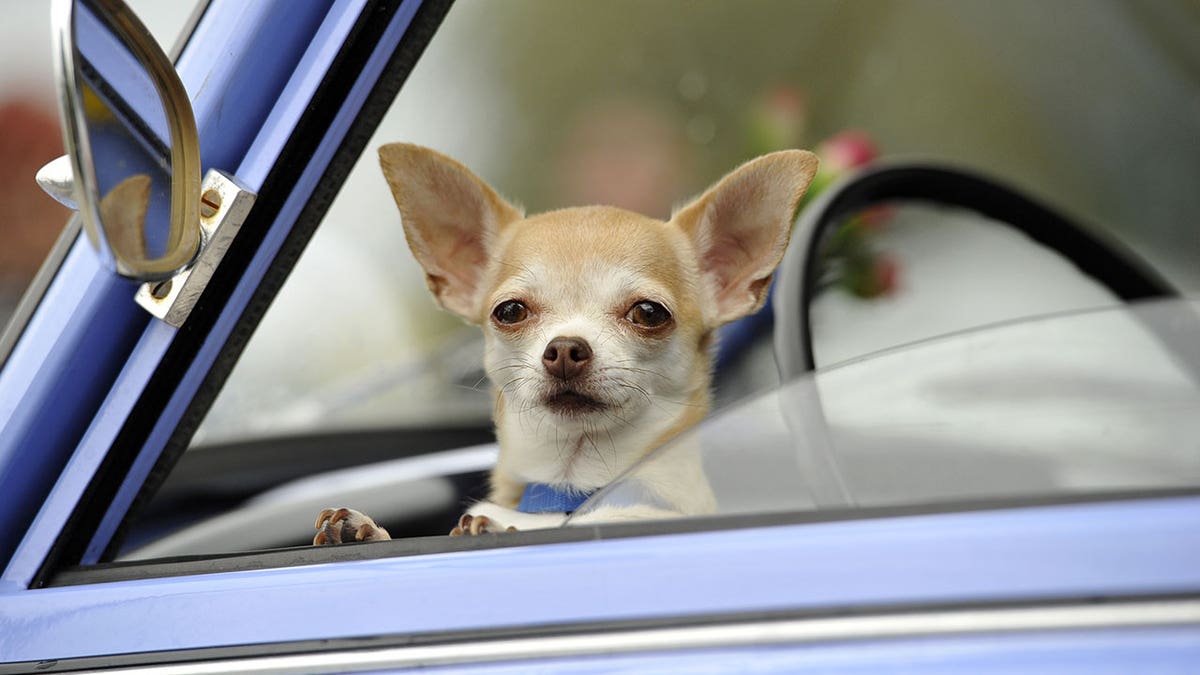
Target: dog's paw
341,526
471,525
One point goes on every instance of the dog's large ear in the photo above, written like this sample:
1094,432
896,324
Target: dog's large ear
740,228
450,219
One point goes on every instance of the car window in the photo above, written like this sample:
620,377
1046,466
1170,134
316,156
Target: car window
567,103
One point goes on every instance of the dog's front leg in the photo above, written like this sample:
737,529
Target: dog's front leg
486,517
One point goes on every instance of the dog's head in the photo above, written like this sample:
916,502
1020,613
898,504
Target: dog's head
596,316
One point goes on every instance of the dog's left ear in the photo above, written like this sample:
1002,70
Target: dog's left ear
741,225
450,217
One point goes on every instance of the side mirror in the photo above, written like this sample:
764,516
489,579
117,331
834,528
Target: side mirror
132,167
131,140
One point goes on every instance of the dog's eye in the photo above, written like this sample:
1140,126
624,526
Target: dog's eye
648,314
510,312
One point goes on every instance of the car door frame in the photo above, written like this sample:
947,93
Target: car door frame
97,399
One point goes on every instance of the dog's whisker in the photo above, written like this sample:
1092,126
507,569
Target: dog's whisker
640,371
600,455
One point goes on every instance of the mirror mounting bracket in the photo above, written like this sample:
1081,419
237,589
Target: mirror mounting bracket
224,204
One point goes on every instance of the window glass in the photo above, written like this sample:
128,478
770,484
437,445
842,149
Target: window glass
907,271
1071,403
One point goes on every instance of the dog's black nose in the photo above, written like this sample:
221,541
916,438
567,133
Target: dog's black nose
567,357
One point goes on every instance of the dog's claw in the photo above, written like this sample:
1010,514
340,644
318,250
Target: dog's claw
463,527
337,526
475,525
330,515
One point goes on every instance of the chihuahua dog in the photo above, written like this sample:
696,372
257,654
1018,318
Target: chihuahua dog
599,326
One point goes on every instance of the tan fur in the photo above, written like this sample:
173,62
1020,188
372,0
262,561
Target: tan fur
610,237
504,489
742,260
446,231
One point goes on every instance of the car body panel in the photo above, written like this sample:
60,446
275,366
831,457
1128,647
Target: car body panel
1124,548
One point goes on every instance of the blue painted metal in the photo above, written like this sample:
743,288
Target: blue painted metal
1083,550
94,375
236,66
57,375
1095,652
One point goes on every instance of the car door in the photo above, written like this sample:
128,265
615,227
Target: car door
98,400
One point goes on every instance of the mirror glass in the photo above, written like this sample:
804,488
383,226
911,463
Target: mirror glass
134,158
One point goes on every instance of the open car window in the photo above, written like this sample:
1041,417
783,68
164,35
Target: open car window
353,364
1069,405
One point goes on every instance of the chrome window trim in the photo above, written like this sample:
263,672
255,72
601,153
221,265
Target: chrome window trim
918,624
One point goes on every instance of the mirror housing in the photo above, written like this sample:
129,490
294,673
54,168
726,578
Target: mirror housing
126,116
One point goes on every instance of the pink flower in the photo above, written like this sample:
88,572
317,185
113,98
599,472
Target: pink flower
876,218
786,102
885,275
846,150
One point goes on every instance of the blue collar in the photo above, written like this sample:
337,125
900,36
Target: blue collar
545,498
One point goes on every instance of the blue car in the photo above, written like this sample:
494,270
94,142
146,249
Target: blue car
1016,493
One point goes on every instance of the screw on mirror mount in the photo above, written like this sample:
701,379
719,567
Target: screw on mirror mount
224,205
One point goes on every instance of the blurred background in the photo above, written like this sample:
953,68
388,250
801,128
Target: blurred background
1090,105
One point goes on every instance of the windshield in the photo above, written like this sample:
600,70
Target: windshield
1066,404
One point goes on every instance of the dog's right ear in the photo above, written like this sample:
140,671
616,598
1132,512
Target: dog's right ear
450,219
741,226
